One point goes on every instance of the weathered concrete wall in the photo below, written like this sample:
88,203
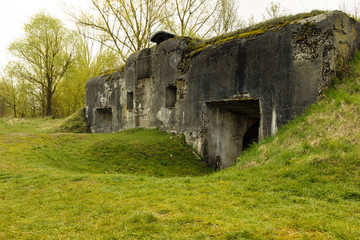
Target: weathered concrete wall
225,131
102,106
228,90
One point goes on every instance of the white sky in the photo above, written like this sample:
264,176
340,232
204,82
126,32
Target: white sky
15,13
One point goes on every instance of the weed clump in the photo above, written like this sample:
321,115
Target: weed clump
76,123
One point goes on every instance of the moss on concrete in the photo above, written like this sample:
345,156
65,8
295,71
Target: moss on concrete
112,71
252,31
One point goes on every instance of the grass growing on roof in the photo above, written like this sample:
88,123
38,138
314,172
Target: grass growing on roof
273,24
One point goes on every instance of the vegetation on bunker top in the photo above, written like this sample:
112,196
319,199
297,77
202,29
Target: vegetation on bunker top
274,24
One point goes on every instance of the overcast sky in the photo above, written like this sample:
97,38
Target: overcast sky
15,13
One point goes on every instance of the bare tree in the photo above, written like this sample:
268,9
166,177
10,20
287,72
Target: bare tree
124,26
191,17
353,10
251,21
274,10
226,18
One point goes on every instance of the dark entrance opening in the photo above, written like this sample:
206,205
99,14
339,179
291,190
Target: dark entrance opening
129,100
231,127
103,120
251,136
171,92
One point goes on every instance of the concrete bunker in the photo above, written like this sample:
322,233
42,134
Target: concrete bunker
224,95
232,126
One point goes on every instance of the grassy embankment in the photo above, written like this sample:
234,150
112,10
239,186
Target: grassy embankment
139,184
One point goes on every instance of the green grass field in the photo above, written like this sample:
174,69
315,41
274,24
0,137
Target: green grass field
145,184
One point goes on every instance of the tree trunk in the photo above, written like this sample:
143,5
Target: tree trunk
48,102
14,108
48,105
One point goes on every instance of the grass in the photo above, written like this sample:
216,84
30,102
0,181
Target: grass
195,46
20,125
274,24
302,184
75,123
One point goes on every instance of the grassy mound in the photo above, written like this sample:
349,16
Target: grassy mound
137,151
75,123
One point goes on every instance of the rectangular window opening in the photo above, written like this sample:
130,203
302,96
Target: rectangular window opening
130,100
171,92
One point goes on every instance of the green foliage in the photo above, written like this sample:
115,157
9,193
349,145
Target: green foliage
6,98
43,57
88,63
51,69
15,95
